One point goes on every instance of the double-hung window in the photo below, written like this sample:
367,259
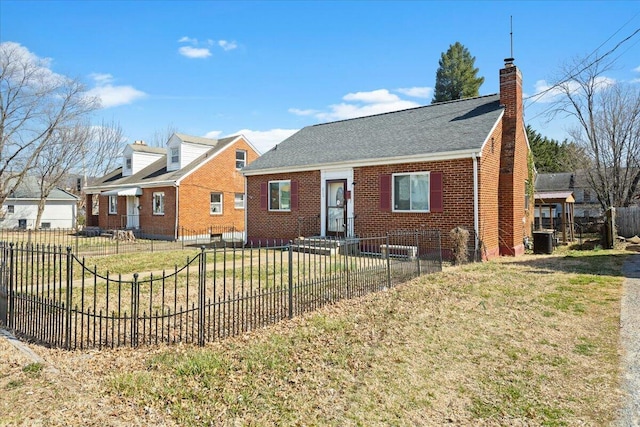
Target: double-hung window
216,204
158,203
113,205
280,195
241,159
239,201
175,155
411,192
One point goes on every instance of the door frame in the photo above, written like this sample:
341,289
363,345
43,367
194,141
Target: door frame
329,203
327,175
133,213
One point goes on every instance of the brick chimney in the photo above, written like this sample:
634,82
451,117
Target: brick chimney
513,163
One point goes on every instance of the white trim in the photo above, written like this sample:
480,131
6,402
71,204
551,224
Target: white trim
488,138
207,160
331,174
244,203
393,192
153,203
211,212
449,155
279,195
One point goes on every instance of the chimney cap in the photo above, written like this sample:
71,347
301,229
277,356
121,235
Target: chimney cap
508,62
139,142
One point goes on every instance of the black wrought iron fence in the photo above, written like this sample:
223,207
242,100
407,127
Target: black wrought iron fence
96,241
53,297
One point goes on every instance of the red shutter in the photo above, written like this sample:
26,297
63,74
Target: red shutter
294,195
385,192
436,192
264,196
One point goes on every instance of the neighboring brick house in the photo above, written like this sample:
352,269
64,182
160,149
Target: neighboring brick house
459,163
193,184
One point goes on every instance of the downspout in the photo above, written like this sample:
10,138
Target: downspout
476,214
175,228
246,208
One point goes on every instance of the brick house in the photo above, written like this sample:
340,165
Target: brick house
193,184
459,163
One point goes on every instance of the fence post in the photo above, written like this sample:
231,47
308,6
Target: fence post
346,265
388,263
117,243
202,280
290,282
135,310
68,300
418,252
77,238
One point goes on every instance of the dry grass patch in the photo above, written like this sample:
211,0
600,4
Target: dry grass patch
524,341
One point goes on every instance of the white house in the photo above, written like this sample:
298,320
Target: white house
20,209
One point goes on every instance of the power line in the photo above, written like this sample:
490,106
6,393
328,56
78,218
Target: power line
595,61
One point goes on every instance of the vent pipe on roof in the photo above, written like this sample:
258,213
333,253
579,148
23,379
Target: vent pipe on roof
139,142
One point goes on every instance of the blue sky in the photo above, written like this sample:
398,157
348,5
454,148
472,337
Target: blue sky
267,69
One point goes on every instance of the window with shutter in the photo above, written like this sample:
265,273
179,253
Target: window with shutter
437,204
385,192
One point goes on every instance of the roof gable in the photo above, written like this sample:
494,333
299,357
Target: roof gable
438,128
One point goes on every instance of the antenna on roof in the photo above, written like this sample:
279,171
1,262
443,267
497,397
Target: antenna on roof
508,62
511,34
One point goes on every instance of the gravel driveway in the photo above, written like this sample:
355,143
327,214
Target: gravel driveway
630,340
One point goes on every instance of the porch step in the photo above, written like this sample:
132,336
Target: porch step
323,246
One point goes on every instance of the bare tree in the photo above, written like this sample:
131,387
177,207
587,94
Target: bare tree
57,159
35,105
607,134
161,137
102,148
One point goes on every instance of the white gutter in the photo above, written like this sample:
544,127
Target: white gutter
476,201
246,208
175,232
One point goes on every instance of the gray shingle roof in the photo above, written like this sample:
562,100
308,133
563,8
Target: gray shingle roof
197,139
146,149
555,181
29,189
156,172
437,128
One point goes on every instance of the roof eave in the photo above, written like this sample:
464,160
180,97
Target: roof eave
432,157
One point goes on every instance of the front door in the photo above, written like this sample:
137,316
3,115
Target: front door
133,213
336,207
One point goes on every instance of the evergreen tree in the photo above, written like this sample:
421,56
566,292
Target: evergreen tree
549,155
456,75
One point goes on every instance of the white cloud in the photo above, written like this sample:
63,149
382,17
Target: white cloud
417,92
265,140
547,93
194,52
375,96
637,69
344,111
214,134
111,95
299,112
186,39
360,104
227,45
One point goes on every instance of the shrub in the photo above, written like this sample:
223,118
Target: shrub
459,240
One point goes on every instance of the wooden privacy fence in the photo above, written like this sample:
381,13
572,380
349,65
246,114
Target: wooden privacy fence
51,296
628,221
